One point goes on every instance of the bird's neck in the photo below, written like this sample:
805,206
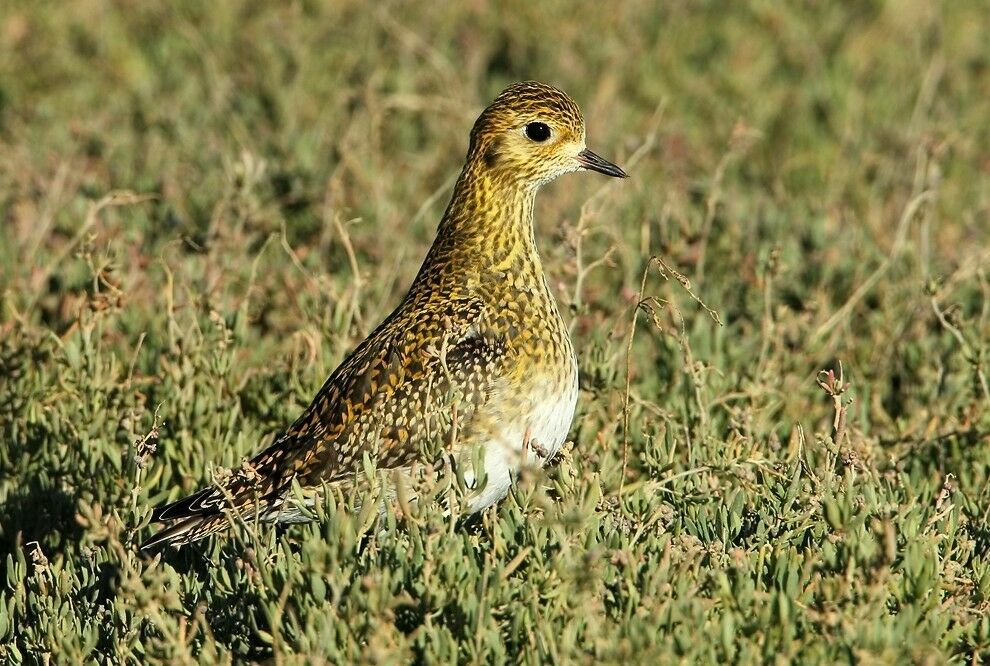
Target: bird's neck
488,226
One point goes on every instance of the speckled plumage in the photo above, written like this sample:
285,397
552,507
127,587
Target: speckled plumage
476,355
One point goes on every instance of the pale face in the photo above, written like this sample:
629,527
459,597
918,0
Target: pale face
540,148
535,148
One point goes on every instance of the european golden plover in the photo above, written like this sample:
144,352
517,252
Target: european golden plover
475,356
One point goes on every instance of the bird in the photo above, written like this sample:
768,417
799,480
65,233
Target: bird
476,356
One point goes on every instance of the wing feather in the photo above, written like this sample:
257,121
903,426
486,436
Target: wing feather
385,398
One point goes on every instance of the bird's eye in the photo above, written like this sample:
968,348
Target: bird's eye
538,132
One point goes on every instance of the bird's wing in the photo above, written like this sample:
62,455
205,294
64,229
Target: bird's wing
416,378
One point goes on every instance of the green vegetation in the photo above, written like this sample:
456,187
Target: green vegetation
206,205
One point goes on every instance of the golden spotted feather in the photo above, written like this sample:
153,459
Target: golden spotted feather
478,336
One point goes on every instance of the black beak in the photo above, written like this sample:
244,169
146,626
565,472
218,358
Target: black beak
593,162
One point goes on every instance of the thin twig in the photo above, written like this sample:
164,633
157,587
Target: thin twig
842,313
625,399
111,200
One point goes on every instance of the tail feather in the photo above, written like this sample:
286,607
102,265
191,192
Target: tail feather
205,502
184,531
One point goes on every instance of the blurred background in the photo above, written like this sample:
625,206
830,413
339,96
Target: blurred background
205,206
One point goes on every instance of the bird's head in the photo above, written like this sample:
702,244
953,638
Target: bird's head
532,133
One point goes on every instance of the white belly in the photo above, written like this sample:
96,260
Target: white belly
532,440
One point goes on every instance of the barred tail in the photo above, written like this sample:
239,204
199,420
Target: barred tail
185,531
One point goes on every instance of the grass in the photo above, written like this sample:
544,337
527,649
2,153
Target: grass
206,206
